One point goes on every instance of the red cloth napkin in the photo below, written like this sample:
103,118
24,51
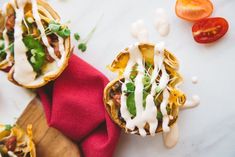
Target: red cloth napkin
74,105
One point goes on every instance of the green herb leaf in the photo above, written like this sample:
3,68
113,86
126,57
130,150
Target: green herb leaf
159,115
54,27
65,32
57,28
32,43
130,102
37,59
158,89
77,36
130,86
2,45
8,127
148,65
82,47
36,51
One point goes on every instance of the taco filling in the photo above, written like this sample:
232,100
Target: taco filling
14,142
35,38
145,99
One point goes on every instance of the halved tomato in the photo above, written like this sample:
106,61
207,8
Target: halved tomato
193,10
210,29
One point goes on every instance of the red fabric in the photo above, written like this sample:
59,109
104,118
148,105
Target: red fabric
74,105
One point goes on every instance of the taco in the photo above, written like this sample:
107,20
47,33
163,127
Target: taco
33,42
145,98
14,142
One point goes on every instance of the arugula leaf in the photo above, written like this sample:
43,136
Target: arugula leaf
36,52
130,102
2,50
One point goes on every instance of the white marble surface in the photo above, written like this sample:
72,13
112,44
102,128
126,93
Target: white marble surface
207,131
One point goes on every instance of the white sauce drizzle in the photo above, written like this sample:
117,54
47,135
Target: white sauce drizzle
42,30
149,114
11,154
171,138
139,31
161,22
23,71
194,79
191,103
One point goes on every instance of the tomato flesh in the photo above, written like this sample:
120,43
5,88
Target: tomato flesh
210,29
193,10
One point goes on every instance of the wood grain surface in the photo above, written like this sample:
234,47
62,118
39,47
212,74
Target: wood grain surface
49,141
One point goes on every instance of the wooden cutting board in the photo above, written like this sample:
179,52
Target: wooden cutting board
49,141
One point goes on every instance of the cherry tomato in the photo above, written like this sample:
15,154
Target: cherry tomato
193,10
210,29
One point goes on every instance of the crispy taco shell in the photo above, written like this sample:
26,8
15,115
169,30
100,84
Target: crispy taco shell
119,64
17,141
50,71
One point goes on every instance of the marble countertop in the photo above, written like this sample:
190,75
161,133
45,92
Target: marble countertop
204,131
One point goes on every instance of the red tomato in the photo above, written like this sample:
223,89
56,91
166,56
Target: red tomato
210,29
193,10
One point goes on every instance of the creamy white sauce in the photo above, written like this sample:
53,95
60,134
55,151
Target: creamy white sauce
149,113
194,102
161,22
194,79
11,154
139,31
62,50
23,71
171,138
42,30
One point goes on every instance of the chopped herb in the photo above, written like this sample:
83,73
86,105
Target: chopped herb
130,86
148,65
36,52
82,47
168,109
158,89
57,28
8,127
77,36
83,44
147,82
65,32
130,102
159,115
2,45
11,48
